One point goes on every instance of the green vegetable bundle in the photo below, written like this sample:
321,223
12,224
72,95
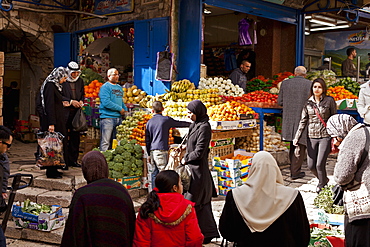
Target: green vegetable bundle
125,160
258,84
324,200
35,208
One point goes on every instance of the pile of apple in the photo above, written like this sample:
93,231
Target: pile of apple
175,109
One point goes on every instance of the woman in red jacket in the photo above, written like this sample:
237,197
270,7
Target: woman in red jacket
167,218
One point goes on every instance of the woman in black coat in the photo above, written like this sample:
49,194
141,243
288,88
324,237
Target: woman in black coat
263,212
201,186
51,109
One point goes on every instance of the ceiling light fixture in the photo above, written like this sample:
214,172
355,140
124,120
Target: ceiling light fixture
329,28
207,11
322,22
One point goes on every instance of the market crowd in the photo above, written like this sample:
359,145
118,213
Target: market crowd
261,212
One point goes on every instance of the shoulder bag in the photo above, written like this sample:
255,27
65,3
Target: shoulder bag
174,163
333,149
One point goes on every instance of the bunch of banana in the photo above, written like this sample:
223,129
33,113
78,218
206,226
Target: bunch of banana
173,96
182,86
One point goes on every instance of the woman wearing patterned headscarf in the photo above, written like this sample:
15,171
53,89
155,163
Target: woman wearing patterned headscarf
51,111
339,125
201,187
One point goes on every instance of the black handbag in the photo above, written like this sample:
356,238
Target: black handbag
3,205
79,122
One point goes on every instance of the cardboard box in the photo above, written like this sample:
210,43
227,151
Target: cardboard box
33,122
17,212
2,57
228,173
223,142
28,137
230,182
1,69
227,125
41,225
130,183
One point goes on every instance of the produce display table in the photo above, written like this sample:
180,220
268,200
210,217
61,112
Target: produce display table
261,113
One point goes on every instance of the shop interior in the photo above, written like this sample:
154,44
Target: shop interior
268,44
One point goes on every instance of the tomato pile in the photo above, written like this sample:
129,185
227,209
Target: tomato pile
280,77
260,96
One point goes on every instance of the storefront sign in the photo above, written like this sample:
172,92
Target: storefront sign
336,44
107,7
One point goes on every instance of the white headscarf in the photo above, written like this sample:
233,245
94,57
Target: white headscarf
53,77
72,67
263,198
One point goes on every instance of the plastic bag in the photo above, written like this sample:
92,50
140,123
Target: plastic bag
51,147
79,122
185,175
175,156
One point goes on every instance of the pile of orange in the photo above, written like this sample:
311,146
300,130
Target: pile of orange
138,132
92,90
241,157
339,93
228,111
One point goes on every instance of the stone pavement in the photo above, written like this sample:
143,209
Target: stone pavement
51,190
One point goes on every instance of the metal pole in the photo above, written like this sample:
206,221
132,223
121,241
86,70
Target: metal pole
358,68
329,63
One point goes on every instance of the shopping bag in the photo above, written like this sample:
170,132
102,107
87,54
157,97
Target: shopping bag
175,155
51,147
185,175
79,122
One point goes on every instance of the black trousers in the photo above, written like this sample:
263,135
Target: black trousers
73,140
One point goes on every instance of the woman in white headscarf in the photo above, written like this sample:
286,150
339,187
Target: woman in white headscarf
264,212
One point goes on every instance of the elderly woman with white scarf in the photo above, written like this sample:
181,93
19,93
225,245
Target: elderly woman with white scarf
353,167
264,212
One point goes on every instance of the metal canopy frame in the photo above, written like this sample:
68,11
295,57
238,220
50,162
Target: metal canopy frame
9,4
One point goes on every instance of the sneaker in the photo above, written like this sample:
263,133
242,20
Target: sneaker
300,175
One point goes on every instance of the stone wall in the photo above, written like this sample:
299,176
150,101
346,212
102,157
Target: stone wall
161,8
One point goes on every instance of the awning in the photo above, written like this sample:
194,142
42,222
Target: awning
98,46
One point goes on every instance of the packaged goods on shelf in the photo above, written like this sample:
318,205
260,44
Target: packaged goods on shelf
230,125
271,141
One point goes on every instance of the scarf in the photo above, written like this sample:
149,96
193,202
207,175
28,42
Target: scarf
263,198
199,109
54,77
72,67
340,125
94,166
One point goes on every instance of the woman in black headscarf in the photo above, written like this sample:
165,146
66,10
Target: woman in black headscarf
201,186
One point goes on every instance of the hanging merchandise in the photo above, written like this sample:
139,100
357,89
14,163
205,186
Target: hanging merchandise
230,59
244,32
164,66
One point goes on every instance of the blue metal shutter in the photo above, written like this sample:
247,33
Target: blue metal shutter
62,49
151,36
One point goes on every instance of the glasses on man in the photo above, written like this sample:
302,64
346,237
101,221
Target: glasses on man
8,145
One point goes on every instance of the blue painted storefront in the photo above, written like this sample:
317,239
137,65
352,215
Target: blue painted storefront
152,36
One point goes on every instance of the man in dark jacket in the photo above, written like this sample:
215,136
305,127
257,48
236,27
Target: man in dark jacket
239,75
348,67
293,95
156,138
73,95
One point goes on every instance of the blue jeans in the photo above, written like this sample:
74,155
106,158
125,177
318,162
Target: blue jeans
108,132
158,158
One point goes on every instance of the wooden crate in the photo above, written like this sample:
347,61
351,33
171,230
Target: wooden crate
218,135
222,151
